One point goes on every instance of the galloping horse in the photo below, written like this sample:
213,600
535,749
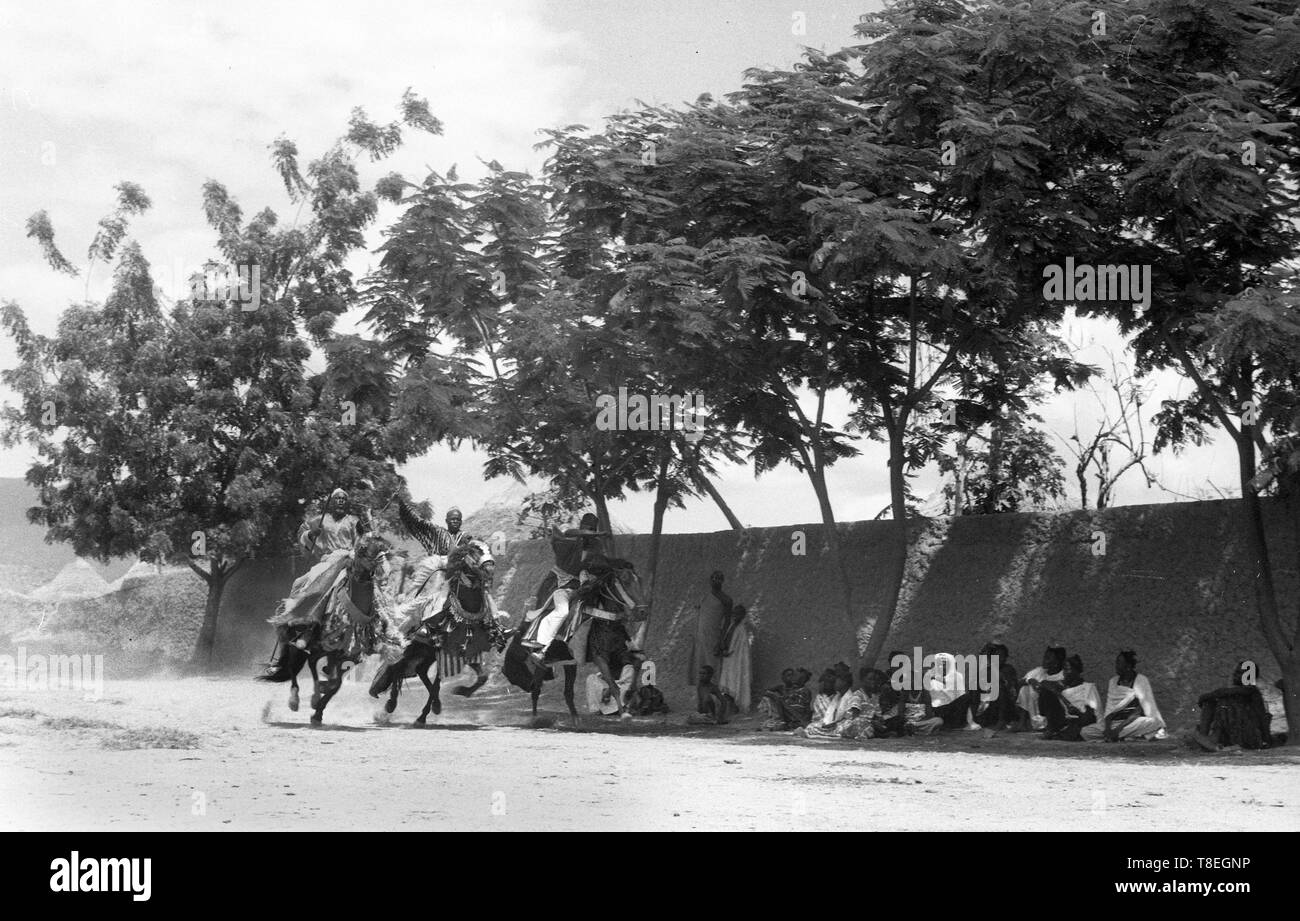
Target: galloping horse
611,590
462,627
350,629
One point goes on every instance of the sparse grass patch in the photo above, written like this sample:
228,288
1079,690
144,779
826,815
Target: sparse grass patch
18,713
77,722
152,737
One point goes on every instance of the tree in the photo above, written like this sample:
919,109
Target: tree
1183,166
1204,193
198,436
1119,442
1008,466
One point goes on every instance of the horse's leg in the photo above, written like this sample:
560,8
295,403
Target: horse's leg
393,690
333,682
422,670
312,661
300,658
478,682
570,676
436,663
536,690
395,679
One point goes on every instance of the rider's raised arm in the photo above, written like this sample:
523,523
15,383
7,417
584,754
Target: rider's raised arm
307,534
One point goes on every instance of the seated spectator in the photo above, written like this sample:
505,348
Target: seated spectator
1050,672
842,702
918,715
1235,715
866,717
825,698
949,699
777,692
996,707
609,705
789,705
711,705
1072,706
1131,712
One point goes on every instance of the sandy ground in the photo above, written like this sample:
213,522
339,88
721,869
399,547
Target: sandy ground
249,763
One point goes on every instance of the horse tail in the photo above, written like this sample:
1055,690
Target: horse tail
286,665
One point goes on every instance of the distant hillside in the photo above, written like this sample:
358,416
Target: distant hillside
26,560
501,514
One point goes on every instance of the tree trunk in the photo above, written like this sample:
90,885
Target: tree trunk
959,478
602,517
832,537
690,457
1270,620
721,504
898,504
657,531
1291,699
216,581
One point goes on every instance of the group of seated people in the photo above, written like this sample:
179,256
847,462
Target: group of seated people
1053,699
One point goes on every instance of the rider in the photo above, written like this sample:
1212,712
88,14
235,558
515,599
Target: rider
426,579
605,604
572,548
462,635
330,539
335,529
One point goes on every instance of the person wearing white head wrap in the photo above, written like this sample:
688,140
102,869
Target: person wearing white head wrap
330,538
336,529
949,698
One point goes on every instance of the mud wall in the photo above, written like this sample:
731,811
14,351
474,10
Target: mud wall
1174,584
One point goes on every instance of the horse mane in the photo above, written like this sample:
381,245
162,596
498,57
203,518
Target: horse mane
456,559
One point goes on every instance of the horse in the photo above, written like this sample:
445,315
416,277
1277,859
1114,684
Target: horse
612,587
348,633
464,624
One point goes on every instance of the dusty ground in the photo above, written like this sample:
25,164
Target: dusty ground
249,763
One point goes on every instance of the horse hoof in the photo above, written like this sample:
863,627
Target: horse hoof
390,705
419,721
315,719
436,707
315,700
293,701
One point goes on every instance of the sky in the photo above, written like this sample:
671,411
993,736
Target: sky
172,94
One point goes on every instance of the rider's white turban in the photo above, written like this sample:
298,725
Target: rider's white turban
339,493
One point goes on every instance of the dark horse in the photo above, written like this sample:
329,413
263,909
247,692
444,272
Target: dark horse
610,586
465,625
348,633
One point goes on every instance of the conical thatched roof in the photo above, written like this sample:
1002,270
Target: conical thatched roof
74,581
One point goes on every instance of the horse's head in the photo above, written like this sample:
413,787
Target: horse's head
471,562
370,551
